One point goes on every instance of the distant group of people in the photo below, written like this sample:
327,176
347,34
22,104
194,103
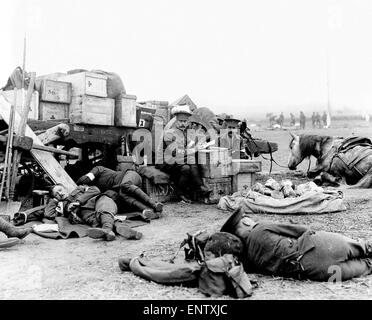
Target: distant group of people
317,120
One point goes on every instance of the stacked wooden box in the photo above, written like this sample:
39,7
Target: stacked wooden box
55,98
126,111
215,162
244,173
220,187
215,166
89,102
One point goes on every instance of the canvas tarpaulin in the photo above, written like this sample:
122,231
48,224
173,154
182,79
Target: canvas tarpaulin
311,202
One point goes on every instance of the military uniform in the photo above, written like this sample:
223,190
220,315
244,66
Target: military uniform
128,182
184,169
95,209
292,250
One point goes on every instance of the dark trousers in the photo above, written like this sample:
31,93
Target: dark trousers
335,257
132,197
103,216
186,177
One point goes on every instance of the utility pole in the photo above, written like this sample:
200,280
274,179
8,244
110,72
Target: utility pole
328,92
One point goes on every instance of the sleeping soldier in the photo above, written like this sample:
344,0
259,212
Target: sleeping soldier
128,184
296,251
87,205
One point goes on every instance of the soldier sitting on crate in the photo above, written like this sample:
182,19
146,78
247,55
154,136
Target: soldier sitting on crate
87,205
180,161
128,183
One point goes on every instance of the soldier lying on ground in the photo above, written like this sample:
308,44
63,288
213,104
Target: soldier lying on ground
89,206
13,233
296,251
129,184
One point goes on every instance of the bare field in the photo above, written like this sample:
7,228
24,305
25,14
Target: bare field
87,269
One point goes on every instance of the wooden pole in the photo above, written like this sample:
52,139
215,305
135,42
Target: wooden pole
10,138
21,132
24,62
55,150
5,169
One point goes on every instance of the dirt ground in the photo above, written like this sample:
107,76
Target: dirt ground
40,268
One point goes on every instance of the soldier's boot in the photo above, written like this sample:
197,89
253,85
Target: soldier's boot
7,243
106,231
147,214
139,194
127,232
368,248
12,231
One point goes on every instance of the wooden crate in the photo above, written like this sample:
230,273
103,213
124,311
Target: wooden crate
220,187
243,180
125,111
51,76
21,98
145,116
51,111
244,166
87,83
215,162
56,91
155,194
92,110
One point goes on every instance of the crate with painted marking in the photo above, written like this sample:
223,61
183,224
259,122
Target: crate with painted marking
215,162
87,83
53,111
55,91
243,180
220,187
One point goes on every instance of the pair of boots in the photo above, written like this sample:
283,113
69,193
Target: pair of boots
201,190
106,232
137,199
13,233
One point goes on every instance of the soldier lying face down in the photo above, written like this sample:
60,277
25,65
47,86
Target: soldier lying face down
128,184
292,250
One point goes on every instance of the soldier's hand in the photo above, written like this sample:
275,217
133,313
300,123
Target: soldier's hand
72,206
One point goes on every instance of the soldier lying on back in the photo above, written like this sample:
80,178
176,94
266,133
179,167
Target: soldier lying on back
89,206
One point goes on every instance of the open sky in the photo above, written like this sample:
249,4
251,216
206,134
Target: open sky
239,57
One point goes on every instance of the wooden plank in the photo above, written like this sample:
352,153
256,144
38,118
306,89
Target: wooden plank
60,131
21,132
46,160
54,150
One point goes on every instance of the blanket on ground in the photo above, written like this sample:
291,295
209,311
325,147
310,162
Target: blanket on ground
311,202
67,230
